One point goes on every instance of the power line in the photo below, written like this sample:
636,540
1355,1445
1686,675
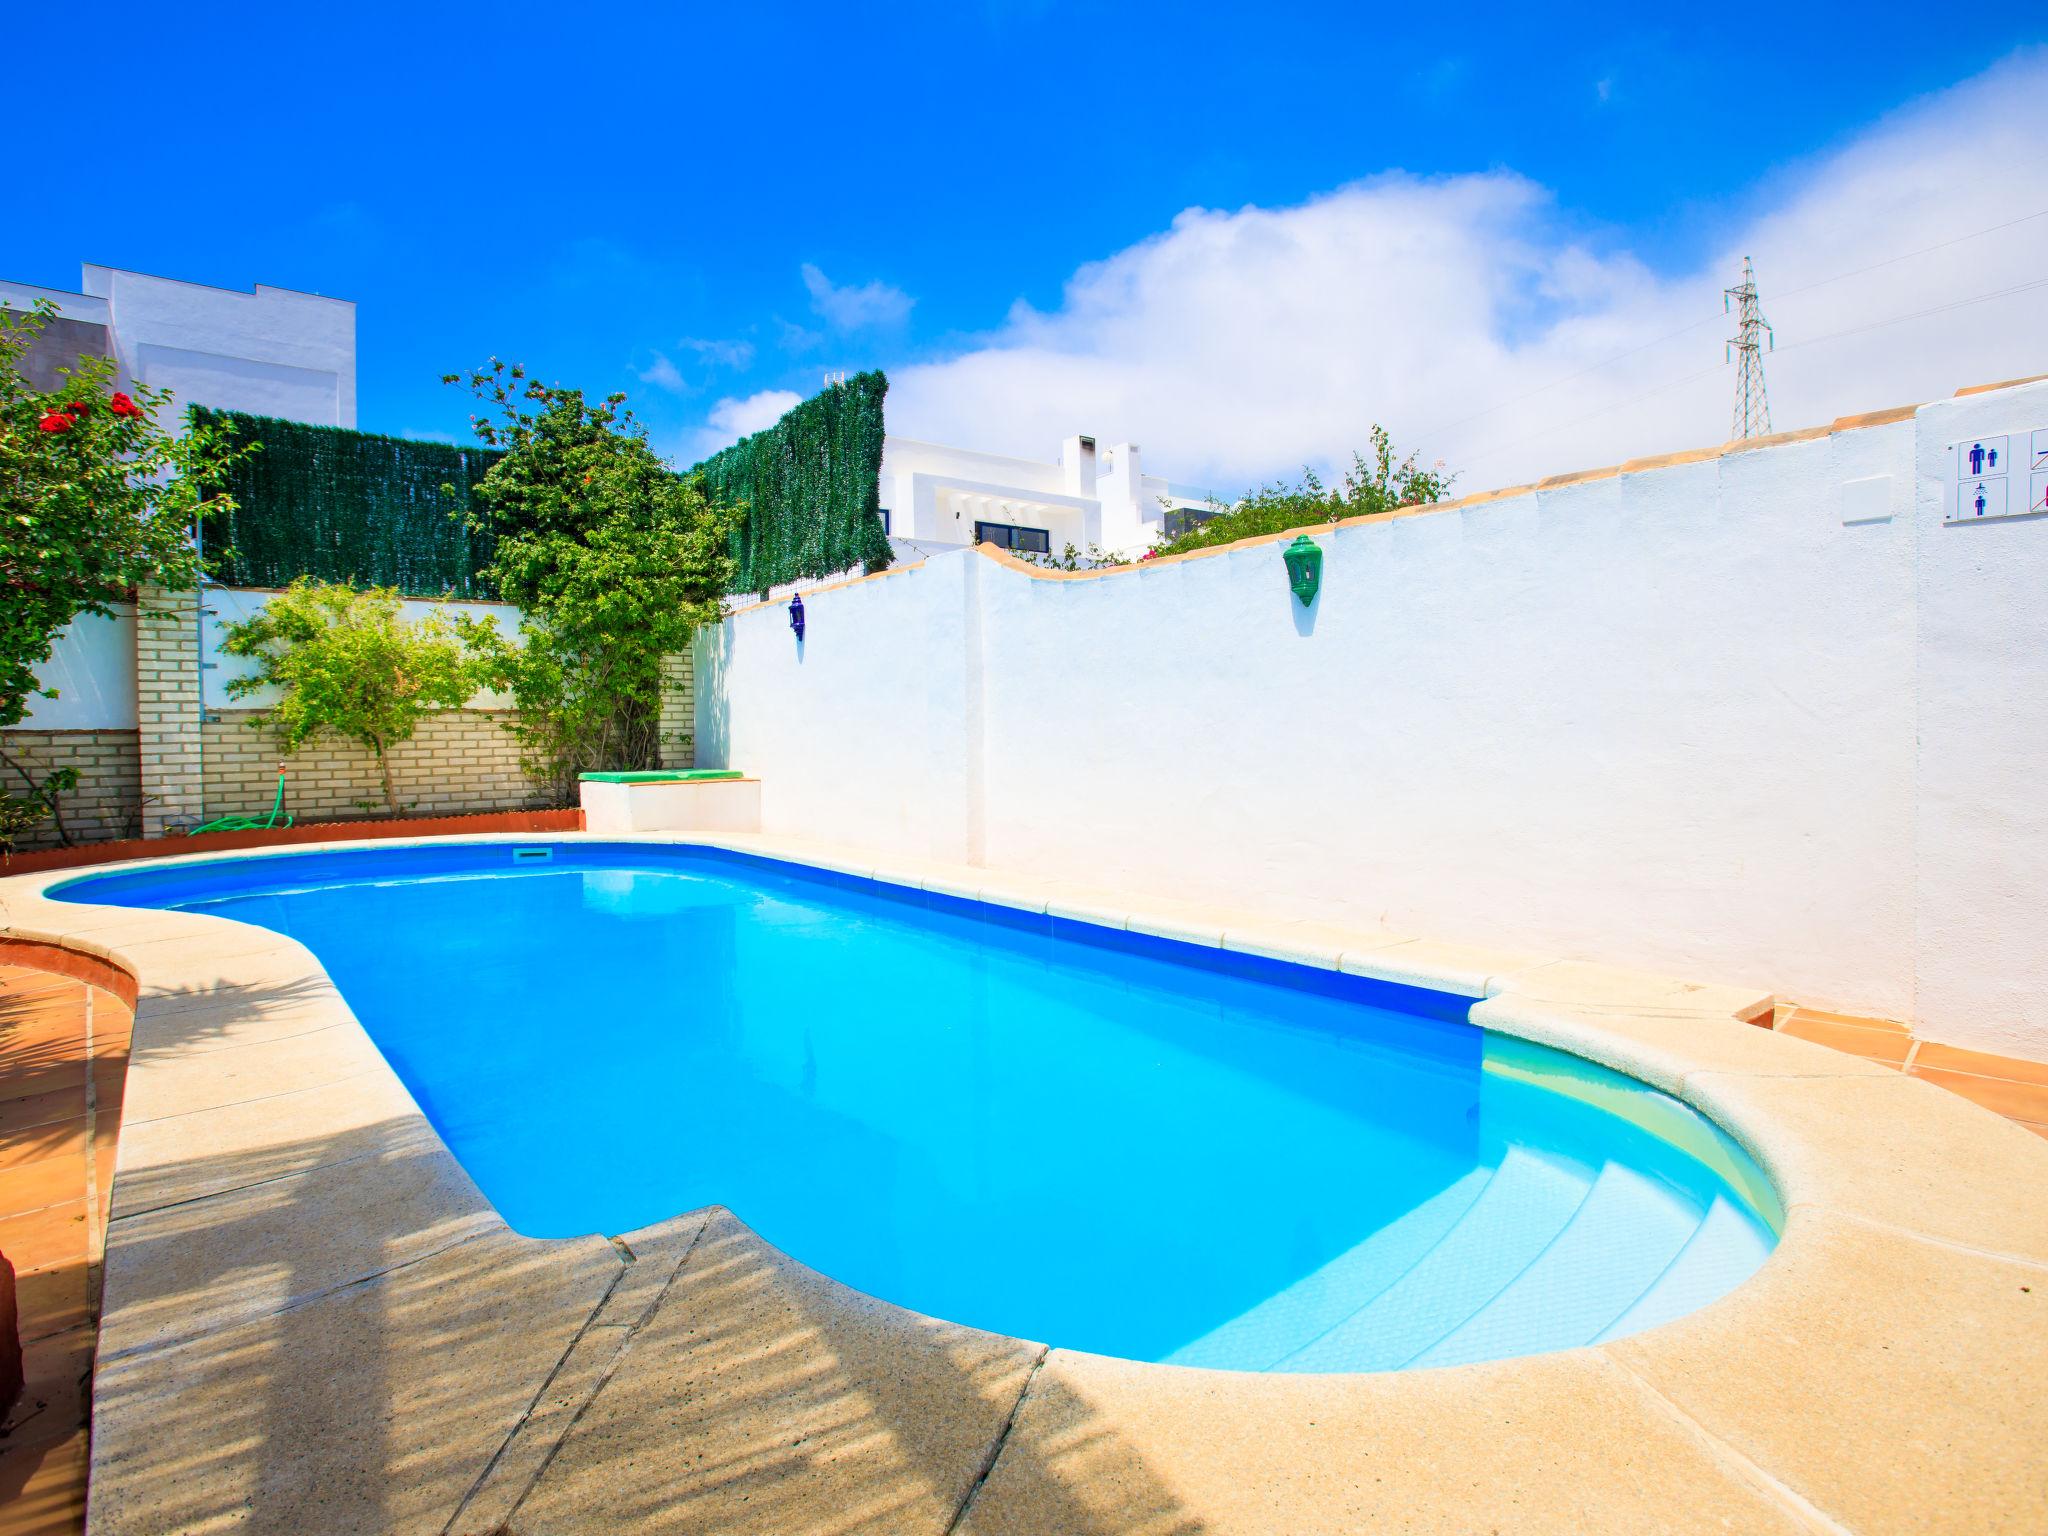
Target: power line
1936,309
1790,346
1925,250
1657,341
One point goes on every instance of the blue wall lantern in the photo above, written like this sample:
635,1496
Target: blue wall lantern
796,614
1304,568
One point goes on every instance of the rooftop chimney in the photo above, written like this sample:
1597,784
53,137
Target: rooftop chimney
1077,466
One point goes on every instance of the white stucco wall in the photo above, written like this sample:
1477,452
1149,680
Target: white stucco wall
867,727
1981,682
92,667
1723,718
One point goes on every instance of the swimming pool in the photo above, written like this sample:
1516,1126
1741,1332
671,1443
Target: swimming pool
1060,1132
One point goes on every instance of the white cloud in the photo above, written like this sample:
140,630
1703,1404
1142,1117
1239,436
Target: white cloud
734,418
727,354
662,374
1482,327
850,308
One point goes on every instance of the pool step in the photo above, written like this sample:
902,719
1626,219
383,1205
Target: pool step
1524,1205
1316,1303
1725,1249
1623,1236
1540,1253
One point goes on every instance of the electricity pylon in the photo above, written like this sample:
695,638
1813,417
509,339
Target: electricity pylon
1752,402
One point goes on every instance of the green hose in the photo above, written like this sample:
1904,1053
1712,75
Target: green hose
278,817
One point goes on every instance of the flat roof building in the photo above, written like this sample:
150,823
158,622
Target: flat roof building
270,351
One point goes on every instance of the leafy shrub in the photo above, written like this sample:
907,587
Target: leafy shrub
1377,484
347,662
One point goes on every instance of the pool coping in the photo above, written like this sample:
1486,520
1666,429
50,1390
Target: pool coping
1880,1372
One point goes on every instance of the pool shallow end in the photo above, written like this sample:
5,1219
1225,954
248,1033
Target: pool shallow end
1881,1370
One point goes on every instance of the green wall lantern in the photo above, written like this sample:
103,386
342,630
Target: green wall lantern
1305,568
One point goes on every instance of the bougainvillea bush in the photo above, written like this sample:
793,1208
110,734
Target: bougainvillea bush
97,497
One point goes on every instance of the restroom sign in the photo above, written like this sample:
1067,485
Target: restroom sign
1983,456
1986,483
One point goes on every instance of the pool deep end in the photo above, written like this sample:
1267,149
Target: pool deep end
1041,1127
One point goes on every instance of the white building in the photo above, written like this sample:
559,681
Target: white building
270,351
1091,498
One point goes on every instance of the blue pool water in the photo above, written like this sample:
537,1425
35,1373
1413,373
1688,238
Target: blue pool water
1060,1132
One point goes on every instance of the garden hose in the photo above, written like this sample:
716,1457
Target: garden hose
278,817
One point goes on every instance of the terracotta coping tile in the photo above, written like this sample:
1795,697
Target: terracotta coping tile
1666,460
1872,1044
1857,1021
1882,418
46,1238
38,1109
1985,389
43,1490
2016,1101
1955,1058
1778,439
52,1301
1578,476
45,1184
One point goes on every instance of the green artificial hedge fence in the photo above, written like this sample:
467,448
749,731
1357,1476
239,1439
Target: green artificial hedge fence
343,505
811,486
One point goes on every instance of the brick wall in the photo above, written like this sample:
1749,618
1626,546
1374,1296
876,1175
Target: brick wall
167,709
108,801
181,767
464,760
679,712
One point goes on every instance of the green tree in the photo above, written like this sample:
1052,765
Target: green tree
1373,484
348,662
613,559
97,497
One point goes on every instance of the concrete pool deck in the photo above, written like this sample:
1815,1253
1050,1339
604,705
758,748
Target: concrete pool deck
314,1322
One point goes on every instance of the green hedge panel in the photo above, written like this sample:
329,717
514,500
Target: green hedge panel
811,486
342,505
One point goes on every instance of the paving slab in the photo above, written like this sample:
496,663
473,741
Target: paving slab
1563,1443
189,1268
1892,1383
762,1398
1664,1047
1889,1149
374,1408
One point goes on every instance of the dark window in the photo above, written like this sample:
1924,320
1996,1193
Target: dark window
1180,519
885,519
1030,541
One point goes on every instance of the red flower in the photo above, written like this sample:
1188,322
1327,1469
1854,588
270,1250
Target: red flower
121,405
75,409
55,421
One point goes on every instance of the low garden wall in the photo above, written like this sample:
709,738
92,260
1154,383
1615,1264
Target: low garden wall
144,718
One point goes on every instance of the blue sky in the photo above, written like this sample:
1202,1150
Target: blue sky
710,206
